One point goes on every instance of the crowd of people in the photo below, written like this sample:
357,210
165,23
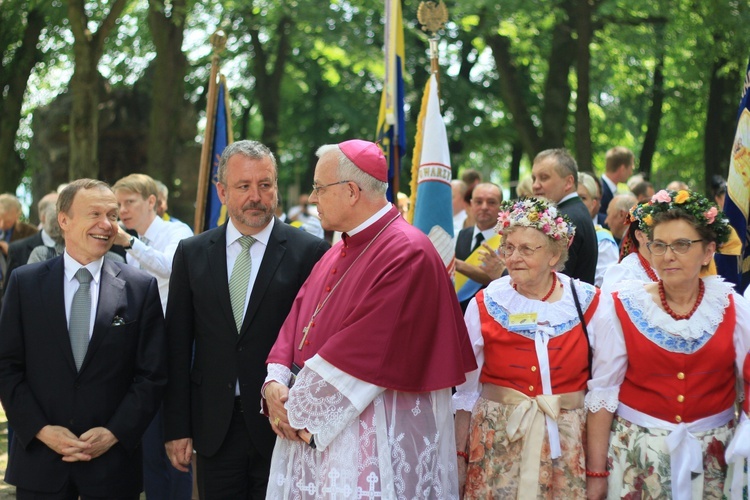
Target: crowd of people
601,354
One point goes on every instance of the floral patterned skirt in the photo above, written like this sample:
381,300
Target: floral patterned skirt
495,463
640,466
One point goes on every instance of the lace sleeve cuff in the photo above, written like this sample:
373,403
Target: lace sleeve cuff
607,398
464,401
276,373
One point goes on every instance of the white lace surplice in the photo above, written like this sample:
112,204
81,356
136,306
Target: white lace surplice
371,442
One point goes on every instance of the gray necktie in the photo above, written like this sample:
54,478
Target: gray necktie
240,279
80,317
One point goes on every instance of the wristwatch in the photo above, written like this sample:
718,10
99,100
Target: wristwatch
130,243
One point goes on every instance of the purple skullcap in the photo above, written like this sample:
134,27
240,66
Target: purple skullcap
367,156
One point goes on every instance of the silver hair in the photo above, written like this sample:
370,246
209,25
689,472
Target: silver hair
348,170
251,149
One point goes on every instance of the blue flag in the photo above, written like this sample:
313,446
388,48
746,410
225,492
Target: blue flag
391,120
215,211
737,202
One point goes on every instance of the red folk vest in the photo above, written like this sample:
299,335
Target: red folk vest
679,387
511,361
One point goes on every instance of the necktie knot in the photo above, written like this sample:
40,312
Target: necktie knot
479,238
246,242
83,276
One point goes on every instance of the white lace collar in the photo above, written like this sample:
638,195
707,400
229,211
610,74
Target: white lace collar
633,264
502,300
648,316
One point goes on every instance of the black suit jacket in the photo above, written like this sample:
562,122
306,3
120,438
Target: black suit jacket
200,395
464,242
19,251
119,385
607,196
584,252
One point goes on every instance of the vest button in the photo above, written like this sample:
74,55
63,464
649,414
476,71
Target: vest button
680,376
533,368
678,419
680,398
531,388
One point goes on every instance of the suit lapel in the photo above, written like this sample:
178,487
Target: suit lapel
111,297
217,266
271,259
53,305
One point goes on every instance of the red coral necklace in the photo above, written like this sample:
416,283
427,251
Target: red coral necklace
665,305
647,267
551,290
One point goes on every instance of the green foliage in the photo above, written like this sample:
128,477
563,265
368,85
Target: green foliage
333,71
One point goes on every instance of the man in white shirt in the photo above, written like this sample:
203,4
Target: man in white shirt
152,251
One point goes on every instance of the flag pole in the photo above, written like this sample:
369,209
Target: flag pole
218,42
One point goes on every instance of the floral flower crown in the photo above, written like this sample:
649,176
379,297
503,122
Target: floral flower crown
705,212
537,213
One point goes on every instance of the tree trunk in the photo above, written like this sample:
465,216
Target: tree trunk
168,88
583,59
655,113
515,168
512,91
720,122
557,86
84,87
17,72
268,83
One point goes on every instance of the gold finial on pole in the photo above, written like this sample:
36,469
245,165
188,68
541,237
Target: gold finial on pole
433,16
218,41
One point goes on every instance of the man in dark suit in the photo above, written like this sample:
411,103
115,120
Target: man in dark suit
619,165
485,204
12,229
231,289
19,250
82,360
555,176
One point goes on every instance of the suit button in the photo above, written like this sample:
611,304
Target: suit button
680,376
533,368
678,419
680,398
239,349
531,388
230,385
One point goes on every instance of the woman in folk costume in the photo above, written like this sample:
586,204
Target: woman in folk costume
636,264
520,421
738,451
668,366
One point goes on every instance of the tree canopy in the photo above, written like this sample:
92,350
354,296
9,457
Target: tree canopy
106,88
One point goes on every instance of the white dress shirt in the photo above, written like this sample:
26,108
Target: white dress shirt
155,257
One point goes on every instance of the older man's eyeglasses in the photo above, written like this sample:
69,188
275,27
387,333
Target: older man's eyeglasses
524,250
317,190
681,246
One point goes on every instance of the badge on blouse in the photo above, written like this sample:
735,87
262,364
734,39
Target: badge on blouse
522,322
